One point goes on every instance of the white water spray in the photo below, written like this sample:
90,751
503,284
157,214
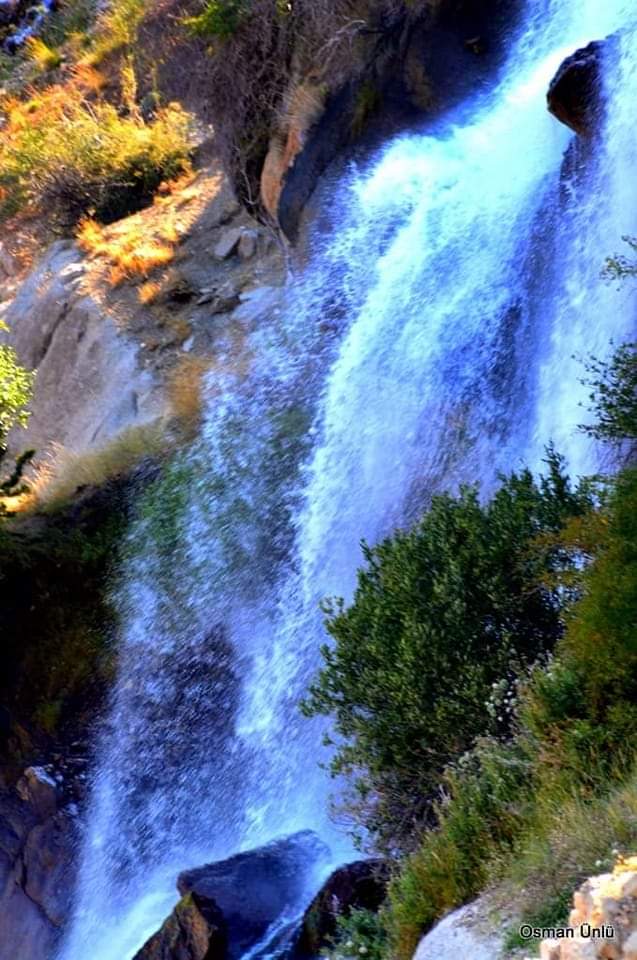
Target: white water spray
468,278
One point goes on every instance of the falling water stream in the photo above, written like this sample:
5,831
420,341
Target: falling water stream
429,340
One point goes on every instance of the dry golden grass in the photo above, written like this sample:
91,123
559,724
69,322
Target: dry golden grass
149,292
65,471
186,392
130,252
88,78
43,56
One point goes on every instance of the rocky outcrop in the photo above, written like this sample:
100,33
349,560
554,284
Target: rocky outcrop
38,836
195,930
229,906
402,61
603,920
90,383
256,888
467,932
575,93
355,886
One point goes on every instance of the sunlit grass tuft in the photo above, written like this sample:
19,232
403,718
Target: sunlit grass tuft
66,471
44,57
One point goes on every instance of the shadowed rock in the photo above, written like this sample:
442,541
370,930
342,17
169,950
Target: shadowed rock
575,93
358,885
256,888
195,930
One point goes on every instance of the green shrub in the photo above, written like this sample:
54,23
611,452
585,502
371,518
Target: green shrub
219,18
614,395
486,800
359,934
69,158
16,388
444,615
544,811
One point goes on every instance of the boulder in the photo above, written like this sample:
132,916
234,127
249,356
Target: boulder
248,244
38,788
466,932
603,918
228,243
38,844
255,889
195,930
575,93
358,885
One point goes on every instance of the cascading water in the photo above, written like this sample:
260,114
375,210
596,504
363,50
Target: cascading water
464,278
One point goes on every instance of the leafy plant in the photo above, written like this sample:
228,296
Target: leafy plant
360,935
70,157
442,615
219,18
613,395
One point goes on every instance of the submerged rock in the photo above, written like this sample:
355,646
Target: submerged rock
575,93
257,888
358,885
195,930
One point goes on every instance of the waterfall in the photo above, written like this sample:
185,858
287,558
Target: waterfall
429,340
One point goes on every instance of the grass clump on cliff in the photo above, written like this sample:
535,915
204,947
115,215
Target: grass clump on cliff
16,388
68,157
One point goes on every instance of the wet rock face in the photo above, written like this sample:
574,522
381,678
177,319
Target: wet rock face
229,906
256,888
358,885
195,930
575,93
38,837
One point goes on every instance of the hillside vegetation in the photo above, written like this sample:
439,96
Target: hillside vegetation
483,683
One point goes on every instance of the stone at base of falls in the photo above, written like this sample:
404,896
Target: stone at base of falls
37,848
250,893
358,885
574,95
460,935
195,930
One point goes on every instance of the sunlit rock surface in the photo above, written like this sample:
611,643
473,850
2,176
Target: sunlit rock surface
604,918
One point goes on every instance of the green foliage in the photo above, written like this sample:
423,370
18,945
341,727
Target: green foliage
482,813
614,395
56,618
16,387
566,796
443,614
359,934
619,266
219,18
71,158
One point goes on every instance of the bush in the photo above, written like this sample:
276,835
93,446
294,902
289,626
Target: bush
482,814
219,18
544,811
359,934
16,387
443,615
68,157
614,396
